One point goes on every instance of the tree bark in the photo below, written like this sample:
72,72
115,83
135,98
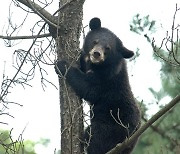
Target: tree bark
70,23
69,26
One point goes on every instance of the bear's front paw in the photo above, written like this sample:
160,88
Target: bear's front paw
61,67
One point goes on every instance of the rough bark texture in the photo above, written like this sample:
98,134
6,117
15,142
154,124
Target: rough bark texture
70,23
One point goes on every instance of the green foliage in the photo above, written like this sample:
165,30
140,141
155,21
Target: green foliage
142,25
29,147
170,74
9,146
162,137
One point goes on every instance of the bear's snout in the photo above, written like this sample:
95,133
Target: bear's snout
97,55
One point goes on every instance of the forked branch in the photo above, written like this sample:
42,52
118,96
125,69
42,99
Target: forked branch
120,147
45,15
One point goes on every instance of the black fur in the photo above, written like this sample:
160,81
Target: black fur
103,82
95,23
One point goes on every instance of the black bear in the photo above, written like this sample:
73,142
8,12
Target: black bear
102,80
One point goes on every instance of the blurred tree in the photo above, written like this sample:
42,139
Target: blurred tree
163,136
9,146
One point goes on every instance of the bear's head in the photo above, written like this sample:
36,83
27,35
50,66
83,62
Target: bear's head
101,46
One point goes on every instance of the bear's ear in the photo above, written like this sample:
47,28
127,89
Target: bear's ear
126,53
95,23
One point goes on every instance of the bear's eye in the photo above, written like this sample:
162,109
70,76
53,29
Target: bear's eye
95,41
108,47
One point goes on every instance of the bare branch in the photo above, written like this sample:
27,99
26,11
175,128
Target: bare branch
45,15
5,91
171,43
24,37
119,147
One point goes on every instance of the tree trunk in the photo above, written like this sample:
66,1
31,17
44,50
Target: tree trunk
70,23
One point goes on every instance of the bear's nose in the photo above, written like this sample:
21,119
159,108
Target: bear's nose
96,54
